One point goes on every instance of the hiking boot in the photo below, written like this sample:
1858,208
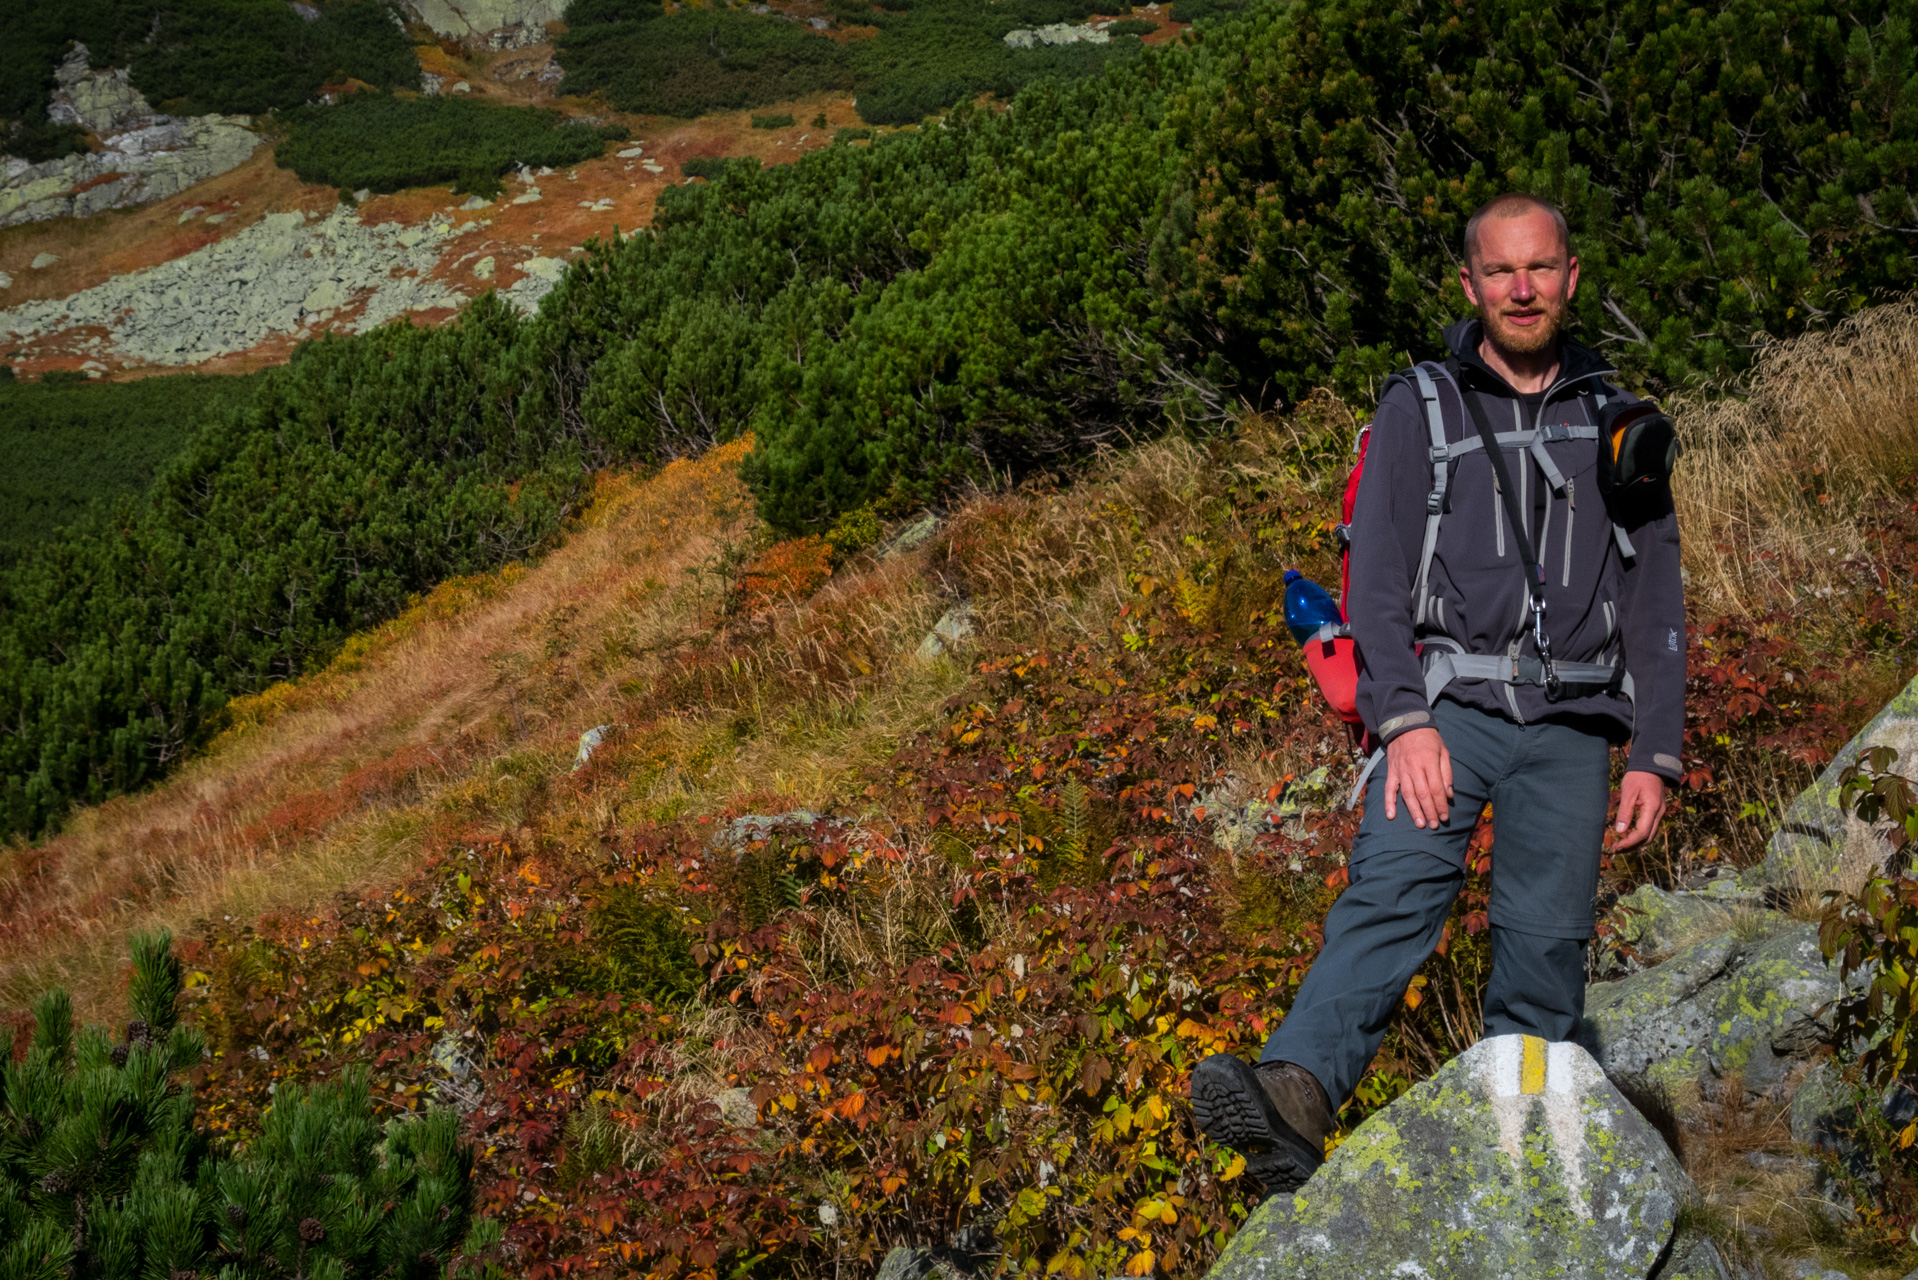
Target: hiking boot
1275,1115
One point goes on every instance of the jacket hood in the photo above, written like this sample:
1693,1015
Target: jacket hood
1575,359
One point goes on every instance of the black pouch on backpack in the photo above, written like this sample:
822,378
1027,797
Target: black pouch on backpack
1638,450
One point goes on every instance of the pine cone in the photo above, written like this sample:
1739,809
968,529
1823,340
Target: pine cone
236,1215
138,1032
312,1230
119,1055
446,1211
184,1275
56,1183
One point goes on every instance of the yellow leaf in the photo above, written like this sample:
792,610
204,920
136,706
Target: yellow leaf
1233,1168
1909,1136
1141,1264
1168,1215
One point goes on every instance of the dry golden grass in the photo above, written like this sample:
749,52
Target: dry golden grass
1778,483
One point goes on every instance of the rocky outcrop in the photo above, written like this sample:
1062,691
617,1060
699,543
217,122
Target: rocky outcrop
1817,842
279,276
1517,1159
495,24
1057,33
1748,1004
144,156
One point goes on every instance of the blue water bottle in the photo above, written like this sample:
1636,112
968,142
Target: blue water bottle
1307,607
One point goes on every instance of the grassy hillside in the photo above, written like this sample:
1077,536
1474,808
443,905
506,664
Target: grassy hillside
1041,905
66,448
997,297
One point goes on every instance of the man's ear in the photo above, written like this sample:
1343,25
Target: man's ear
1471,293
1571,279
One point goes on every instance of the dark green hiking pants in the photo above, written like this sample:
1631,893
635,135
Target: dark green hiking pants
1548,785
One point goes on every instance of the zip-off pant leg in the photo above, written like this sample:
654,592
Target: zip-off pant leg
1548,788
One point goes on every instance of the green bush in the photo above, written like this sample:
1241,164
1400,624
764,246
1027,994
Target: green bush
696,61
1206,10
1131,27
385,143
926,56
70,448
708,167
784,120
1722,168
102,1172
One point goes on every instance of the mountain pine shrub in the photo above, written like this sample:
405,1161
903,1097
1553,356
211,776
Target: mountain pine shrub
1733,172
103,1174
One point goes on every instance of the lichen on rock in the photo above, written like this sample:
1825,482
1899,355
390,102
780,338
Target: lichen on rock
1517,1159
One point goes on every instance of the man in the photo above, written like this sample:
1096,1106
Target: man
1534,745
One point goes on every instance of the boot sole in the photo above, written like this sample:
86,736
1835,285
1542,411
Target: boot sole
1231,1109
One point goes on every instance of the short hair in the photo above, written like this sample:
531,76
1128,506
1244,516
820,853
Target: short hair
1511,205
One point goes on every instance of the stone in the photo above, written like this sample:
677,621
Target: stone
1693,1257
1516,1159
476,202
1057,33
460,86
590,740
1719,1008
41,261
101,102
948,635
6,281
1818,844
154,162
261,281
477,19
1657,922
630,153
912,537
483,269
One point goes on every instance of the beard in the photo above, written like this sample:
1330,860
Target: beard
1526,340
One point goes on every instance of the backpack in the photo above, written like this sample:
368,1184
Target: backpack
1331,656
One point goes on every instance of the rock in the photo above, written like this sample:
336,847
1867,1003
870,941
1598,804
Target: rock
236,293
101,102
483,269
1657,922
588,741
41,261
1718,1008
903,1263
1693,1257
476,202
6,281
1057,33
154,162
1804,1269
460,86
1516,1159
630,153
1817,843
912,537
948,635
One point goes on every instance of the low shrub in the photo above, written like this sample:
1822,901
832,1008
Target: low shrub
708,167
71,444
104,1172
1131,27
784,120
696,61
385,143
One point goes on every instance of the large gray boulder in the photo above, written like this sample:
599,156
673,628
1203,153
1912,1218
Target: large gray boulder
1818,843
1726,1006
1517,1159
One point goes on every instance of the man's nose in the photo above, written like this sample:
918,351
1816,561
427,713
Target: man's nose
1522,286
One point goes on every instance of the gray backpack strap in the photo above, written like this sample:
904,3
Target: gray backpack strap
1441,475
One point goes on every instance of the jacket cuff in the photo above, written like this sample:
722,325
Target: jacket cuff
1642,759
1405,722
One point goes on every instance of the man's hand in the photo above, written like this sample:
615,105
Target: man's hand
1641,803
1418,766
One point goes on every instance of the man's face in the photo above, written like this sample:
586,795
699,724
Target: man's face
1521,280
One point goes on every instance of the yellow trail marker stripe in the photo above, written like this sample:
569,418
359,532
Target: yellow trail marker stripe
1531,1067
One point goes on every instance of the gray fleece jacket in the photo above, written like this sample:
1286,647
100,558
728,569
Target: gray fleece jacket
1600,605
